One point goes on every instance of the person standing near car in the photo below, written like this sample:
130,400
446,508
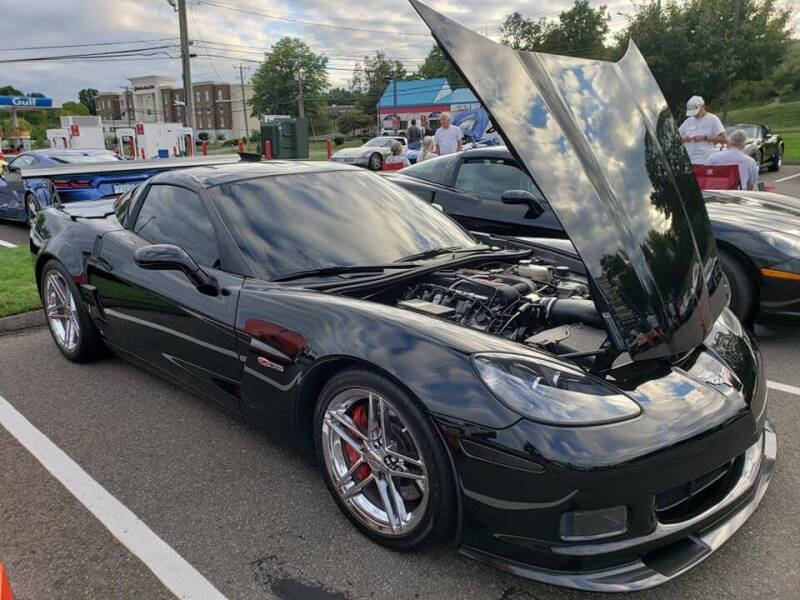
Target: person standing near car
701,131
447,137
735,155
414,133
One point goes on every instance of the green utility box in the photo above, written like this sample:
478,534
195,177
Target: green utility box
288,136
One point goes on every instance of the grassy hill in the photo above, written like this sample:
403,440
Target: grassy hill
783,118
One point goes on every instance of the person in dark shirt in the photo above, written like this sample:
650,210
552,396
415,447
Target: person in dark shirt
414,133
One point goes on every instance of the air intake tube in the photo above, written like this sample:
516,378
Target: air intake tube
563,311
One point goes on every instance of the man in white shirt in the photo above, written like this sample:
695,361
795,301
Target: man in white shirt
448,137
734,155
701,131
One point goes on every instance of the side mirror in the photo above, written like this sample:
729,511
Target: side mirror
535,209
167,257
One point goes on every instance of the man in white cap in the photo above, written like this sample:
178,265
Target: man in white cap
701,131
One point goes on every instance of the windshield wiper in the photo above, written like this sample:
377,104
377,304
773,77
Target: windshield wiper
439,251
342,269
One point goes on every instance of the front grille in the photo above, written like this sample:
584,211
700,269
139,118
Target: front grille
693,497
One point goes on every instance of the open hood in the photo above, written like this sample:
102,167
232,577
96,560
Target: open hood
599,141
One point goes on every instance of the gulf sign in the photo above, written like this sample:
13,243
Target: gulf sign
26,101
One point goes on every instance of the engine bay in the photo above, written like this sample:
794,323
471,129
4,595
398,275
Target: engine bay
538,304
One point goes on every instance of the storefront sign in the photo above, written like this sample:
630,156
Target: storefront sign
26,101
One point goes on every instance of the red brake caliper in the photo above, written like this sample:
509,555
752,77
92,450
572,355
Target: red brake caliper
359,416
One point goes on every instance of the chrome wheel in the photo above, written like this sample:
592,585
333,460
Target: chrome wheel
61,311
30,206
374,462
375,162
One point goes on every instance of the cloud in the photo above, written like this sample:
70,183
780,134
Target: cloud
345,30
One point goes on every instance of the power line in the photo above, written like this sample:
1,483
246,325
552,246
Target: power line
87,45
110,54
304,22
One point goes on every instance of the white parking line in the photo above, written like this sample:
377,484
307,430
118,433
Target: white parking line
787,178
782,387
181,578
6,244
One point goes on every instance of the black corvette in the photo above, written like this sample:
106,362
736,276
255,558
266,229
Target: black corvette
765,147
486,190
598,424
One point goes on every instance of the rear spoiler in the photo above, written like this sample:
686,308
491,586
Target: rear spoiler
132,166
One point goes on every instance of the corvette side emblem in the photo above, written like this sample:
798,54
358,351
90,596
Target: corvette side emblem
265,362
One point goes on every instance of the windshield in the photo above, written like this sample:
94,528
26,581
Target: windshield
291,223
379,141
750,130
85,158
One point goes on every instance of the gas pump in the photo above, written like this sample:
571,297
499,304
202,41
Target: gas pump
126,142
185,141
58,139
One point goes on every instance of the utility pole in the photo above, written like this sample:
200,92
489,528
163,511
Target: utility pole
395,116
129,109
300,108
737,9
244,103
188,117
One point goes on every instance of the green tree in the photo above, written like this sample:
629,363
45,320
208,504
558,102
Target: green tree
786,77
340,96
372,77
9,90
698,47
438,65
74,109
579,31
351,121
87,97
275,84
521,33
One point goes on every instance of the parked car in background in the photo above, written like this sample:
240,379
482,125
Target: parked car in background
34,180
371,154
756,232
765,147
21,201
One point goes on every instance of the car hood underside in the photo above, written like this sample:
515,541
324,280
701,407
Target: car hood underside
599,141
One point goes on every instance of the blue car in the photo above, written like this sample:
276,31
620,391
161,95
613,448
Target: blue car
20,199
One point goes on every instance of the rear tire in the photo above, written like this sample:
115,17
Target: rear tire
744,290
72,329
402,505
31,208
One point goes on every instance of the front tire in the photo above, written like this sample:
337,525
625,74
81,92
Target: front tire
375,162
383,461
72,329
743,287
777,160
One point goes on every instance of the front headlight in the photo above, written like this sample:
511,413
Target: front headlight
550,392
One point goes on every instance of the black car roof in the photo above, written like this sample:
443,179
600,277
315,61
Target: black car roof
212,175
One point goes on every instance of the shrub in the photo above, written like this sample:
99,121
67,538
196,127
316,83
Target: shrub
338,140
364,140
220,137
203,136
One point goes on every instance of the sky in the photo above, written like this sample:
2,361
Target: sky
229,33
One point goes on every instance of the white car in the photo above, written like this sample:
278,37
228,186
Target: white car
371,154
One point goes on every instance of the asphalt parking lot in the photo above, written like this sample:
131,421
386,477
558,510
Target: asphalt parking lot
253,520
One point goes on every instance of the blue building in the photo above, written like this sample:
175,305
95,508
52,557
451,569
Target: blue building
423,100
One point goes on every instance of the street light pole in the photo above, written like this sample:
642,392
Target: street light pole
300,108
244,104
188,117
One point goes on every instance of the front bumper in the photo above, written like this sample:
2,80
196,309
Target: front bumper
670,548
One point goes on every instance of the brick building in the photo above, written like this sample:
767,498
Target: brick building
218,106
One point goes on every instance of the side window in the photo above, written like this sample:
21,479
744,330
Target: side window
21,162
493,176
175,215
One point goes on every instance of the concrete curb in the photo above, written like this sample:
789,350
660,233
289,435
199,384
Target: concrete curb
22,321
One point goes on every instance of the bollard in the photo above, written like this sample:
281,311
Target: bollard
267,150
330,148
143,157
241,145
204,146
174,151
